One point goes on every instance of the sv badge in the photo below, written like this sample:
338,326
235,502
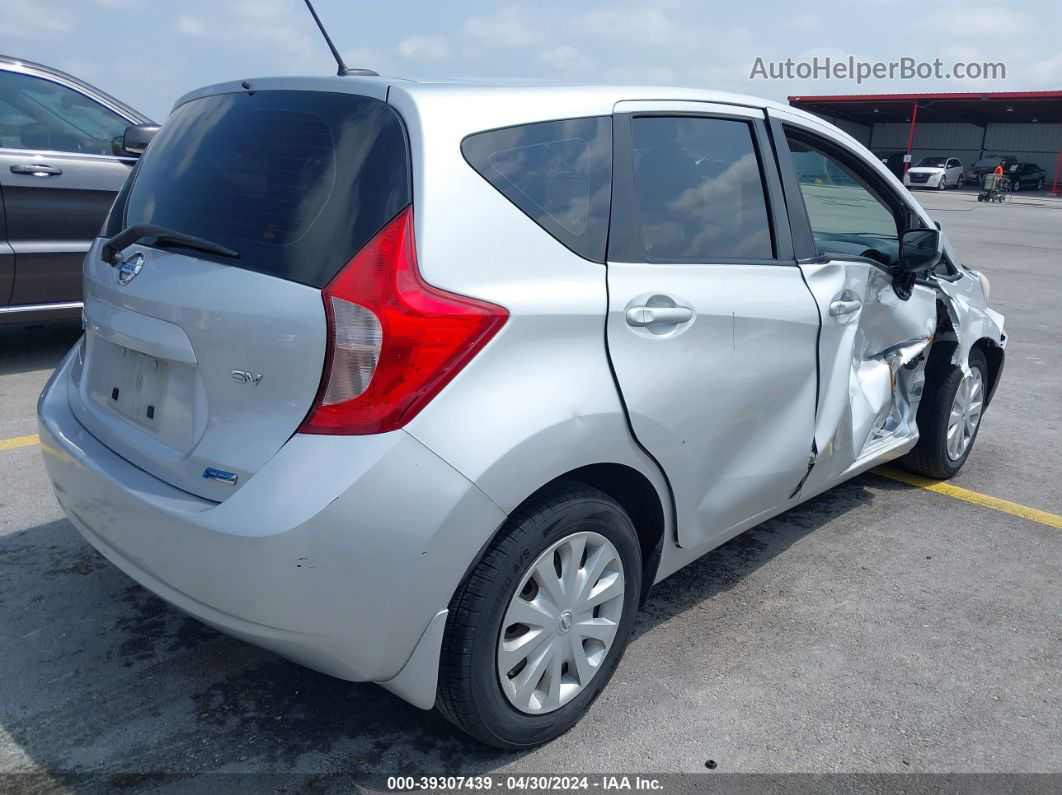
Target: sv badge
246,377
129,269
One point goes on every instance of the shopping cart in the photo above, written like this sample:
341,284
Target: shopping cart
994,188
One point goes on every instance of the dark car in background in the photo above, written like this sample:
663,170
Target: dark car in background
66,149
893,162
986,165
1025,176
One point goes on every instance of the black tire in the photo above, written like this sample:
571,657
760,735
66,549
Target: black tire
470,694
930,456
1040,184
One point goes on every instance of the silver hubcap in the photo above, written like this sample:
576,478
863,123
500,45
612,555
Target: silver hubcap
965,413
560,624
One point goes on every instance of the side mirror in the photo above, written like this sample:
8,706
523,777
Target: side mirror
920,250
136,139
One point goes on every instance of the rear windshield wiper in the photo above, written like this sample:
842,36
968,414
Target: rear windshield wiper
151,235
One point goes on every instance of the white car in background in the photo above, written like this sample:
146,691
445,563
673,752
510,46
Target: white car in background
934,172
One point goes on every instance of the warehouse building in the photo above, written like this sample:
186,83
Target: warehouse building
969,126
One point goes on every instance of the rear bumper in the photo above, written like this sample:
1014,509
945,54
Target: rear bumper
338,554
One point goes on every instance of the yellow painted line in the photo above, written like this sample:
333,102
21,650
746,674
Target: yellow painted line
19,441
975,497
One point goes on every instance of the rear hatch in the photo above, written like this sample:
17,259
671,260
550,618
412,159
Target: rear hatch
199,366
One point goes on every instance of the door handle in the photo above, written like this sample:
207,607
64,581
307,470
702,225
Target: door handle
843,306
36,170
658,315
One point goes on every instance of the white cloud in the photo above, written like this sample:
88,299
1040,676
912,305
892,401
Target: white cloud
988,23
506,27
724,74
638,24
1048,70
264,9
565,58
363,57
960,52
648,75
191,26
34,18
803,22
427,48
262,26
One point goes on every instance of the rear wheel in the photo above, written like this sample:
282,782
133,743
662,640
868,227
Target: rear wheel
539,626
949,417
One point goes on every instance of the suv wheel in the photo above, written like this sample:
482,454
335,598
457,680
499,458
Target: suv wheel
537,629
949,417
1040,184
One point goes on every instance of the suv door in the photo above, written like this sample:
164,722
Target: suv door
59,173
876,323
711,330
7,258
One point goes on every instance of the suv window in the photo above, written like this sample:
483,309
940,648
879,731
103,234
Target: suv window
557,172
842,214
699,187
42,115
295,181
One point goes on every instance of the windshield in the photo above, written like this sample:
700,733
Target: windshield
296,181
933,162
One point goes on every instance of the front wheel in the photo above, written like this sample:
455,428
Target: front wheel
943,183
537,629
949,417
1040,184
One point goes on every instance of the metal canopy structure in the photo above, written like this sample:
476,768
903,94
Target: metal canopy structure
993,107
997,109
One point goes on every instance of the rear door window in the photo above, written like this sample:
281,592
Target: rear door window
700,192
295,181
558,172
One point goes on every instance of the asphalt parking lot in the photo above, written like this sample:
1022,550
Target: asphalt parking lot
878,628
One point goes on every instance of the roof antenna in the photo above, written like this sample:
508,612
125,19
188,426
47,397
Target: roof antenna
344,70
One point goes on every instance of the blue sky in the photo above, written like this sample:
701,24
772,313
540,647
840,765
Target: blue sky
148,52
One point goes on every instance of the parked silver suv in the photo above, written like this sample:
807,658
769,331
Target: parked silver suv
426,384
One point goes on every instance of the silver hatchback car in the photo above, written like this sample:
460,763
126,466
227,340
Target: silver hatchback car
425,384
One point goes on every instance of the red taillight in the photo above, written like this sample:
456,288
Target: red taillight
394,341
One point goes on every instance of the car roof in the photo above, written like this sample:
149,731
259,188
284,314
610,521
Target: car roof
11,63
594,95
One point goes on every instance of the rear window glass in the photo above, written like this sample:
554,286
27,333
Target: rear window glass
295,181
558,172
700,190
